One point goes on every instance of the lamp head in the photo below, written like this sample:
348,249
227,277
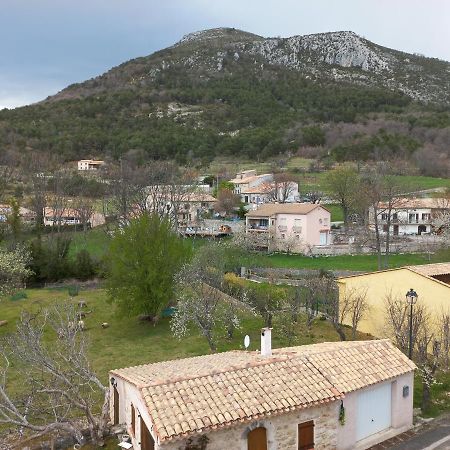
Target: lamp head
411,296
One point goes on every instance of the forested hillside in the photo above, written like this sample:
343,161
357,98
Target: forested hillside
226,92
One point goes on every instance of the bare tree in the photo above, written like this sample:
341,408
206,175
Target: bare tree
354,305
57,380
428,362
397,320
202,302
282,187
227,202
8,164
444,337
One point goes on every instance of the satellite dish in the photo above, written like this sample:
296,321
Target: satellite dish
246,341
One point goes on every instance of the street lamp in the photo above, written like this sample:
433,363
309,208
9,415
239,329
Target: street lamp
411,299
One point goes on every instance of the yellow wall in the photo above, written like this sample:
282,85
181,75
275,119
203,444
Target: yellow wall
433,294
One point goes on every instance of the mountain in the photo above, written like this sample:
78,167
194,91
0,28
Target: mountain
228,92
337,56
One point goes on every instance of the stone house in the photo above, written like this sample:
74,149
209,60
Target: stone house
341,395
290,227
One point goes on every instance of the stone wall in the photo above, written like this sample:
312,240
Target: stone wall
281,431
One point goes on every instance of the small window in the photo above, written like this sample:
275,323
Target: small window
306,435
283,236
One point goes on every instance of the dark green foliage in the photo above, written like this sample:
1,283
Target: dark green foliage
50,260
143,259
19,296
85,267
382,146
73,291
313,136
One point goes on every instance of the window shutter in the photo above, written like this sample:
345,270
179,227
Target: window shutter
306,435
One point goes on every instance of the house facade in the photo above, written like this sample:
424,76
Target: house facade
286,192
289,227
185,205
70,216
248,179
411,216
345,395
430,281
90,164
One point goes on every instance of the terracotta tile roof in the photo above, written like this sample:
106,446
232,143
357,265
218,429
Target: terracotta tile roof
270,209
431,270
414,203
192,395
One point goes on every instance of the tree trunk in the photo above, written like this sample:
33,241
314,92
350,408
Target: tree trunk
339,330
426,396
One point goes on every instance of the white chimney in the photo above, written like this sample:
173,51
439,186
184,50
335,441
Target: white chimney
266,342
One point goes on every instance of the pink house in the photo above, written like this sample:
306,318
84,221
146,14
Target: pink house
290,227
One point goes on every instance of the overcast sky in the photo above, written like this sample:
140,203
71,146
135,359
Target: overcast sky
46,45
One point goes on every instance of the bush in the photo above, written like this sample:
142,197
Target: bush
85,266
73,291
19,296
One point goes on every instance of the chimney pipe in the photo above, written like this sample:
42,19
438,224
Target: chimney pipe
266,342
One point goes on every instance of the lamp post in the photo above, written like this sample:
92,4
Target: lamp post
411,299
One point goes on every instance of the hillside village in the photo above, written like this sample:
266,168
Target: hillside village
216,279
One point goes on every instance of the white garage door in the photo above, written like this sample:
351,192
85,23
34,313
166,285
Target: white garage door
374,411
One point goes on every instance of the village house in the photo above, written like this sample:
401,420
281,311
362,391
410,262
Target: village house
286,192
70,216
412,216
341,395
27,215
248,179
90,164
430,281
187,204
299,226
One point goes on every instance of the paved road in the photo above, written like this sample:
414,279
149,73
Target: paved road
435,439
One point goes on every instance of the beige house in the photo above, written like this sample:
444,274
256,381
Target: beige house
292,227
342,395
430,281
70,216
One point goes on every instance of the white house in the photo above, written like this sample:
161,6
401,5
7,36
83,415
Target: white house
90,164
412,216
285,192
341,395
293,227
248,179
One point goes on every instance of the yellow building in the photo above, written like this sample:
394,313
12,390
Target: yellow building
430,281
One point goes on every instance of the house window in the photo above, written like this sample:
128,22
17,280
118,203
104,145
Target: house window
384,216
306,435
426,216
257,439
385,228
283,236
395,216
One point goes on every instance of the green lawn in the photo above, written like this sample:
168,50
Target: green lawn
336,212
129,342
440,394
95,241
363,263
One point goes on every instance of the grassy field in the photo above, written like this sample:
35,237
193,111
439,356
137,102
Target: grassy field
336,212
95,241
129,342
363,263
